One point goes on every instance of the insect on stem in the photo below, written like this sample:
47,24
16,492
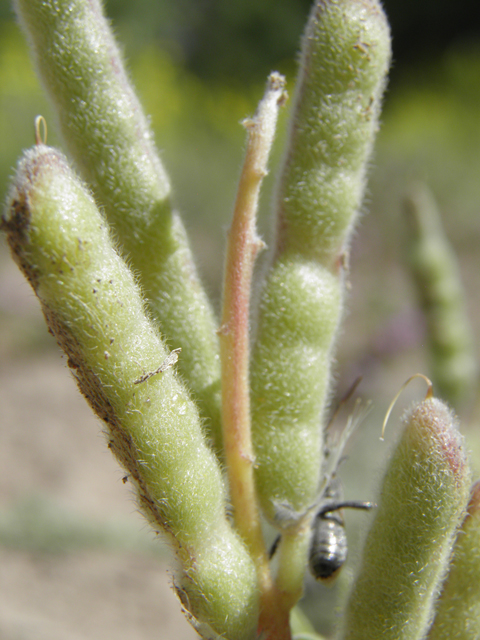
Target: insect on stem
328,545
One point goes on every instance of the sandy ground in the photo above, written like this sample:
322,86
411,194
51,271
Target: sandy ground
52,451
87,595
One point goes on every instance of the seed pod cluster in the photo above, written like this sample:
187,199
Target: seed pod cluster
108,135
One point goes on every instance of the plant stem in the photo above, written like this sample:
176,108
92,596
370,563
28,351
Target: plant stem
242,247
293,554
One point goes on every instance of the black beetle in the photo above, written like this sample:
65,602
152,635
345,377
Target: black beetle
328,545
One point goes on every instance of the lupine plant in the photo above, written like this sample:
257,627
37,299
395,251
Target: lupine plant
221,426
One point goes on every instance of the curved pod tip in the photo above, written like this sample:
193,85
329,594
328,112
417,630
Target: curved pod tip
433,424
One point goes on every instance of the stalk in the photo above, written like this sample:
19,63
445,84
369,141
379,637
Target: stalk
242,248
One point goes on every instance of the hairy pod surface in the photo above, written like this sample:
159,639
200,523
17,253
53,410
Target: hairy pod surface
423,500
300,312
345,58
458,607
94,308
109,137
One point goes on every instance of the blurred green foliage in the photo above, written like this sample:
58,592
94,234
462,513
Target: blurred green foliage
236,41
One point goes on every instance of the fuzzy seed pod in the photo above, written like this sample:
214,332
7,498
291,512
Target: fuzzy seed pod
458,608
345,58
93,307
437,278
406,554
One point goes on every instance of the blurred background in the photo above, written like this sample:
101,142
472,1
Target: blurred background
78,561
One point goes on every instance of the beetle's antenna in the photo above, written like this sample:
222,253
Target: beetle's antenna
346,504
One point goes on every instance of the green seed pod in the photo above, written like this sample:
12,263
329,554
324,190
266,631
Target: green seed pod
436,274
345,58
300,311
423,500
94,308
108,135
458,608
